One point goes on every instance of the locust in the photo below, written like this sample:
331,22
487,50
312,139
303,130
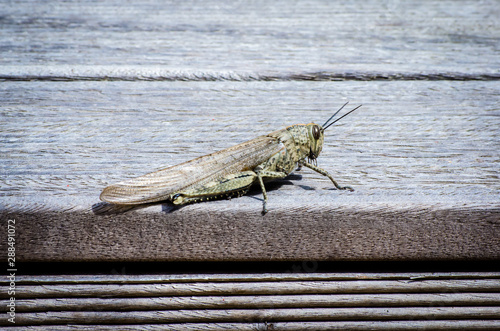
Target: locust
230,172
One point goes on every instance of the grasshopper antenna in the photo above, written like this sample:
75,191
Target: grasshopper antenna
338,119
345,104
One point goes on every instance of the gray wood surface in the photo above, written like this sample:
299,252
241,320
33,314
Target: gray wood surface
444,301
260,277
228,235
92,94
432,146
216,38
455,325
274,315
256,302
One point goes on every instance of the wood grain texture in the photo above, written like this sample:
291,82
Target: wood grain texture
254,302
93,94
455,325
448,325
433,145
442,141
435,300
424,167
41,279
253,38
274,315
246,236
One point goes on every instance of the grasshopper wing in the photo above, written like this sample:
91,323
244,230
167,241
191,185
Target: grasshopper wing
159,185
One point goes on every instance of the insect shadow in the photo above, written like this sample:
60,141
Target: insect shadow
105,208
255,192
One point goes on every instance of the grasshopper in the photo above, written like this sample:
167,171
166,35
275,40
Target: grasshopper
229,172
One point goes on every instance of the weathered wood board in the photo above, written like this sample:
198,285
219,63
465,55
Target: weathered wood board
92,94
424,163
214,38
293,301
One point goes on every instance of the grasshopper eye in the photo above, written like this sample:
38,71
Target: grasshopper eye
316,132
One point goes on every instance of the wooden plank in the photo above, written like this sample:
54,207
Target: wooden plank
392,151
77,72
270,315
448,325
249,288
190,278
202,233
423,156
408,203
256,37
254,302
435,300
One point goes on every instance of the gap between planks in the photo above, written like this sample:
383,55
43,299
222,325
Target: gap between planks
249,288
255,302
189,278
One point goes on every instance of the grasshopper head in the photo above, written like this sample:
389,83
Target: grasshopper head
316,135
317,132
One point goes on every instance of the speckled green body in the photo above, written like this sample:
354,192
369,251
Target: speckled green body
298,145
227,173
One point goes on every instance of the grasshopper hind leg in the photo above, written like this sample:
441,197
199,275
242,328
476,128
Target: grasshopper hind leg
234,185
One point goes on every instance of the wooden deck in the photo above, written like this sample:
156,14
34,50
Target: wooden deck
95,93
293,301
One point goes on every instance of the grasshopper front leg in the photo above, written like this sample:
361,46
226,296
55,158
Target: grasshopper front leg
325,173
